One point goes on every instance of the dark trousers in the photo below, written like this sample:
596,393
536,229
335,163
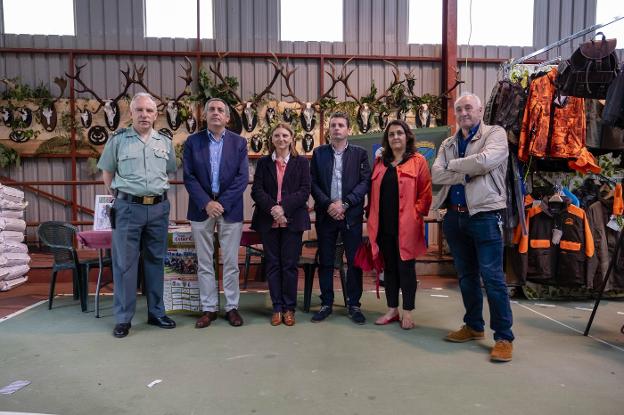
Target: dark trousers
282,249
477,247
327,231
398,274
139,226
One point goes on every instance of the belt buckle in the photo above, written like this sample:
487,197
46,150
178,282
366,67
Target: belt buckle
148,200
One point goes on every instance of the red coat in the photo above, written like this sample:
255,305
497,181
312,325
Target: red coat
414,203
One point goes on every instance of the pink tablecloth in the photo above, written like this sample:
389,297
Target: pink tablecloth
250,237
96,239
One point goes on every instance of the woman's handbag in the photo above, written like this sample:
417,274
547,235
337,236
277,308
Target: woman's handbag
365,261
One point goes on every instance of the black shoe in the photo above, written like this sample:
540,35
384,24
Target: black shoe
355,314
322,314
121,330
163,322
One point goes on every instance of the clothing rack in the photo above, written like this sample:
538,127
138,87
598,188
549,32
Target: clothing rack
507,66
567,39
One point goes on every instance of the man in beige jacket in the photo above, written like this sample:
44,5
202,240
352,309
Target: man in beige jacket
471,166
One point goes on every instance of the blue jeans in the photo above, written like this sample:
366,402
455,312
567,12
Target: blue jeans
477,247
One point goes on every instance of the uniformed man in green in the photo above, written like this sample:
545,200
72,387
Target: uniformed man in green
135,164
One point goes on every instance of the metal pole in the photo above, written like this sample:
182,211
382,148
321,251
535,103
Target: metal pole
604,282
567,39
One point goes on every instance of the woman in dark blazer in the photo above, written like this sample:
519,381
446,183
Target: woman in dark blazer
280,190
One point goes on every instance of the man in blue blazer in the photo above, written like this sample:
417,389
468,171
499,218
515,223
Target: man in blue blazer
216,173
340,175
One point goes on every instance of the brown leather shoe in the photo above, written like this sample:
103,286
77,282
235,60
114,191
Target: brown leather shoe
205,320
289,318
234,318
502,351
276,319
464,334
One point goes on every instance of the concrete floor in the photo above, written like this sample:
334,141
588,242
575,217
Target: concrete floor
335,367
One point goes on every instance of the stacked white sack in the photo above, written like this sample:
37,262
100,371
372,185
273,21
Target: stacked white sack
14,258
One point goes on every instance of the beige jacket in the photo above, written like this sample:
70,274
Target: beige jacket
485,163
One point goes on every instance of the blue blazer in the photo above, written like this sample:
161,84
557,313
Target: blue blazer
233,175
356,174
295,194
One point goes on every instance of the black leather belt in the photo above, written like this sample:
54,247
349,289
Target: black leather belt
458,208
213,196
142,200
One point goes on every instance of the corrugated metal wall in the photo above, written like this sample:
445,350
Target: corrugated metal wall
372,27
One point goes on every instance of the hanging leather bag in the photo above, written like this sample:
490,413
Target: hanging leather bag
590,70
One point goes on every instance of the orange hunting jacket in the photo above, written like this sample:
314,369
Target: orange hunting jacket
550,130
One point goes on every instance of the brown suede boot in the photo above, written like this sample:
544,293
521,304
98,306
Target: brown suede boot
463,335
502,351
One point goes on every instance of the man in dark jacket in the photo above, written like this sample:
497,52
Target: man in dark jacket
216,173
340,175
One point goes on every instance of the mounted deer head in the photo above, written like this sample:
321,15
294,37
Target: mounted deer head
249,108
47,111
458,82
172,108
411,81
111,108
250,112
235,124
309,109
216,70
138,77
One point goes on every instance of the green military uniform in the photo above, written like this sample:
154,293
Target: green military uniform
140,169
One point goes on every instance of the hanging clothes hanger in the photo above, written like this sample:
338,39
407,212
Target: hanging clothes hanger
556,197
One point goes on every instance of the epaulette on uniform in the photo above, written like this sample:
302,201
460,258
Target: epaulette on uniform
165,133
119,131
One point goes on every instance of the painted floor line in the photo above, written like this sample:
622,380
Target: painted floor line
571,328
23,310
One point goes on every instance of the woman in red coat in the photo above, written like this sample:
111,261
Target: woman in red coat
395,227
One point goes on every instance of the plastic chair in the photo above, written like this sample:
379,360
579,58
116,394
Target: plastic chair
59,237
252,250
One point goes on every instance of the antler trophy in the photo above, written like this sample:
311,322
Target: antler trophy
110,106
47,111
174,106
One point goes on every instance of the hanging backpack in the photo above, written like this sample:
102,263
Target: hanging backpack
590,70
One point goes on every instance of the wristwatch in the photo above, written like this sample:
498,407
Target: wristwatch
345,205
